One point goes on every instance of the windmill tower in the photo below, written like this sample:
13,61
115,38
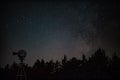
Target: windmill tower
21,74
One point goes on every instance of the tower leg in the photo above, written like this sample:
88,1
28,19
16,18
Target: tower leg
21,75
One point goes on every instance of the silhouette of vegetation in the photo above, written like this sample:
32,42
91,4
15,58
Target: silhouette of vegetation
97,67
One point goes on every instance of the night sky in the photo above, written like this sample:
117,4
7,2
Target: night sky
50,29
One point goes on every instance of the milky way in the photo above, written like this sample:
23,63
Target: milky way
51,29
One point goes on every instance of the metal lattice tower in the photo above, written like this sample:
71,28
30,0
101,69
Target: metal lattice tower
21,74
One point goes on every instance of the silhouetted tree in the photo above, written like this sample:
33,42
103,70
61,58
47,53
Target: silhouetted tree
35,73
99,59
73,64
64,60
50,66
115,66
98,64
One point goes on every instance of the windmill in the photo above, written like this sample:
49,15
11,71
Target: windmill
21,74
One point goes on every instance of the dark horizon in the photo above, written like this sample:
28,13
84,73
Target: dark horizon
17,61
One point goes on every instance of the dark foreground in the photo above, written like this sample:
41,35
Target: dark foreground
97,67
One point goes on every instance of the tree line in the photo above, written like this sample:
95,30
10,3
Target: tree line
97,67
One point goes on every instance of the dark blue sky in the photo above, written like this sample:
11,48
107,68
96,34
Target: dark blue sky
51,29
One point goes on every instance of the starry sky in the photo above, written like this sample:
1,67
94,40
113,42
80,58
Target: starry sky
50,29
